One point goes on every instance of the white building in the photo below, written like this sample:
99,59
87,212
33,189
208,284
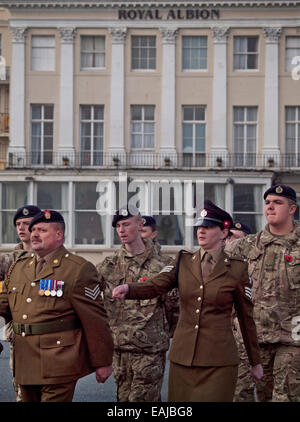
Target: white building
145,92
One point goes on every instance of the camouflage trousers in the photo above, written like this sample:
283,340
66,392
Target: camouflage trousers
138,376
281,379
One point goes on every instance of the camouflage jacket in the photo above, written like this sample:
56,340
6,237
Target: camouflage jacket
274,269
137,325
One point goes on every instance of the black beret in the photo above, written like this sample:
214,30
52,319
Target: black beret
125,212
46,216
28,211
242,227
148,221
281,190
212,216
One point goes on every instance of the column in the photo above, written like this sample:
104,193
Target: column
219,126
168,109
16,149
271,133
66,106
117,95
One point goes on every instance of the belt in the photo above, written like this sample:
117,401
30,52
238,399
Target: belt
46,327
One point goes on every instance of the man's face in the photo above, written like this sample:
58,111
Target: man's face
129,230
22,229
148,233
210,238
46,237
278,210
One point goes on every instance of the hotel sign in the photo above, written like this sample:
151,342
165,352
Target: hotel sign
171,14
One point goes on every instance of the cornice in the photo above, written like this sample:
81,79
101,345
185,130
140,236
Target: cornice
83,4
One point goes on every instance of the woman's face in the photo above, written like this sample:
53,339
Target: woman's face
211,238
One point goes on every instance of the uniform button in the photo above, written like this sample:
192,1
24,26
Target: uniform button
67,255
23,334
14,288
201,287
58,342
24,316
199,299
33,284
196,326
28,300
197,311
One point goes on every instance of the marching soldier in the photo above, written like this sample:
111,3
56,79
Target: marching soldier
61,327
274,268
140,328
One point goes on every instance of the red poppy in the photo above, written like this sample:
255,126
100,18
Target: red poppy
288,258
226,224
143,279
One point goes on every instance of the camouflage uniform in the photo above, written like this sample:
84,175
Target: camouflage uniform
274,268
139,327
5,262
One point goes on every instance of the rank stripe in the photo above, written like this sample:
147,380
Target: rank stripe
92,293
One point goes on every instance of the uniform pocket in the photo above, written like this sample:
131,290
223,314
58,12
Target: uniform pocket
293,269
14,293
60,353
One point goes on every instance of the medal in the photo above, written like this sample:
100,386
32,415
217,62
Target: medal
59,291
42,287
47,292
54,287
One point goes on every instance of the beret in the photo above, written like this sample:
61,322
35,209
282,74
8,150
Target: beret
148,221
211,216
28,211
281,190
46,216
242,227
124,213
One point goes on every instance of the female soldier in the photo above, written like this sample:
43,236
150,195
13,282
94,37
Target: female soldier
203,355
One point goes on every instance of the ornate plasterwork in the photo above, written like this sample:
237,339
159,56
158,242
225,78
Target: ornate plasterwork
169,34
220,33
118,34
67,34
19,33
272,34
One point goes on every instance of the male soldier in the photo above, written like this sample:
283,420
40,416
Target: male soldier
171,299
22,219
274,268
61,327
238,231
140,328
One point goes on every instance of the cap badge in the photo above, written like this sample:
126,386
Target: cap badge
47,214
226,224
25,211
203,213
143,221
238,225
279,189
124,213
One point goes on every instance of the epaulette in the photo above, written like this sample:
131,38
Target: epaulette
74,258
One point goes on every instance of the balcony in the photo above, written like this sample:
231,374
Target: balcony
4,74
150,160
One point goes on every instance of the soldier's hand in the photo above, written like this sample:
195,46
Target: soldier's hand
257,372
1,348
120,292
102,373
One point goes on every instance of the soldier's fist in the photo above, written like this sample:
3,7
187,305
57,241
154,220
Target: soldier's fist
120,292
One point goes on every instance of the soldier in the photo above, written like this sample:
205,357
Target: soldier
171,299
140,328
274,267
203,355
238,231
61,327
22,219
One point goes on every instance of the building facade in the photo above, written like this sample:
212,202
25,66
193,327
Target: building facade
161,103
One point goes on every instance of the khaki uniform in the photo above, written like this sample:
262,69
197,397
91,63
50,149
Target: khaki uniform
203,337
58,339
140,328
274,268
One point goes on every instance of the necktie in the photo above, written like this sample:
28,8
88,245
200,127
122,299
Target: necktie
206,265
39,266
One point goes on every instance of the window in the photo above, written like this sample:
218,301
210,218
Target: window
194,53
292,49
43,52
42,134
248,205
143,52
193,136
92,52
292,136
244,136
14,195
245,56
142,127
91,126
89,226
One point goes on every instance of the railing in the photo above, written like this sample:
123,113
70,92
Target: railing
151,160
